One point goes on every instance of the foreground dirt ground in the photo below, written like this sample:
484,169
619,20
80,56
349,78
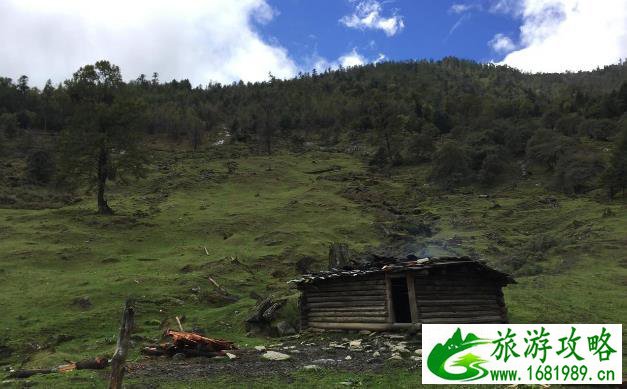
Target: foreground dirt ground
355,353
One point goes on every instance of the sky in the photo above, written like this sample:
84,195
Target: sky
231,40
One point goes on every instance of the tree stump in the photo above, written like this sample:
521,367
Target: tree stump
121,352
339,256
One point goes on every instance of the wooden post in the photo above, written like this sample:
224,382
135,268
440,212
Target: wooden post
411,291
388,298
119,358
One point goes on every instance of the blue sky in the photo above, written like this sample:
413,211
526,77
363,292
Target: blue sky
431,30
230,40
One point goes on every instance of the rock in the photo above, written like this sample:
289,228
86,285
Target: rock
400,349
355,344
415,358
178,356
284,328
418,351
395,356
325,361
260,348
364,332
275,356
311,367
348,358
82,302
231,356
376,354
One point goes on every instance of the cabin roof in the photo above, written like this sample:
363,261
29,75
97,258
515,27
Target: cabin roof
402,265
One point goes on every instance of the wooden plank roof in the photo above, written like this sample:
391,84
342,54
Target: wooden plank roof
402,265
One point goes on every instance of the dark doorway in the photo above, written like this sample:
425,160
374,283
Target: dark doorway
400,300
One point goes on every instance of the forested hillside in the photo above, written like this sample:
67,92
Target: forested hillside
476,122
112,189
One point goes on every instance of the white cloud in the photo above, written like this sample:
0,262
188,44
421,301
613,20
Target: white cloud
502,44
202,40
459,8
561,35
367,15
349,59
352,59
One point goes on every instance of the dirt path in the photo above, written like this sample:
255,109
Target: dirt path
365,353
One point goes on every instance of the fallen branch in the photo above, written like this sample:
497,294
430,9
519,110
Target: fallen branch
333,168
221,289
97,363
189,344
178,321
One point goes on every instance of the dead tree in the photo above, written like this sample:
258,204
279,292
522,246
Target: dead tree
119,358
339,256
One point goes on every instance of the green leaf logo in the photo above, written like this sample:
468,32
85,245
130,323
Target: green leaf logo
453,346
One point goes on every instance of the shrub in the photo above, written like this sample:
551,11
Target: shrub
9,124
40,167
451,165
578,172
547,146
492,167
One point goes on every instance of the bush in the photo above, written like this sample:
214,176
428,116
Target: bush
546,147
492,167
380,158
598,129
419,148
40,167
9,125
578,172
451,165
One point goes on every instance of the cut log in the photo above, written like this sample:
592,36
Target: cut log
453,302
375,299
348,314
29,373
448,320
460,308
119,358
335,319
351,304
352,326
469,314
345,309
192,340
325,293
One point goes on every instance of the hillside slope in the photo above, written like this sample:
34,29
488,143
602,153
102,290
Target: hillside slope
65,272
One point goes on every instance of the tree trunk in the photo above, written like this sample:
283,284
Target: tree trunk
119,358
339,256
103,207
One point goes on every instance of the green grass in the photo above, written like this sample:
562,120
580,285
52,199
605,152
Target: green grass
268,214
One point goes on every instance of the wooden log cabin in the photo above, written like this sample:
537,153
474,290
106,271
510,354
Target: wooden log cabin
404,294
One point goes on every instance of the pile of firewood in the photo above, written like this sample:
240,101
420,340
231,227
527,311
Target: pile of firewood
189,344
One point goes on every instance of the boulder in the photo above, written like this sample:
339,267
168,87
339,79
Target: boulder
275,356
284,328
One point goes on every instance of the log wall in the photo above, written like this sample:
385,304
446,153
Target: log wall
348,303
459,299
365,302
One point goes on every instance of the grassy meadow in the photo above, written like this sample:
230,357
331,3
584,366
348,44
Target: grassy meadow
65,271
